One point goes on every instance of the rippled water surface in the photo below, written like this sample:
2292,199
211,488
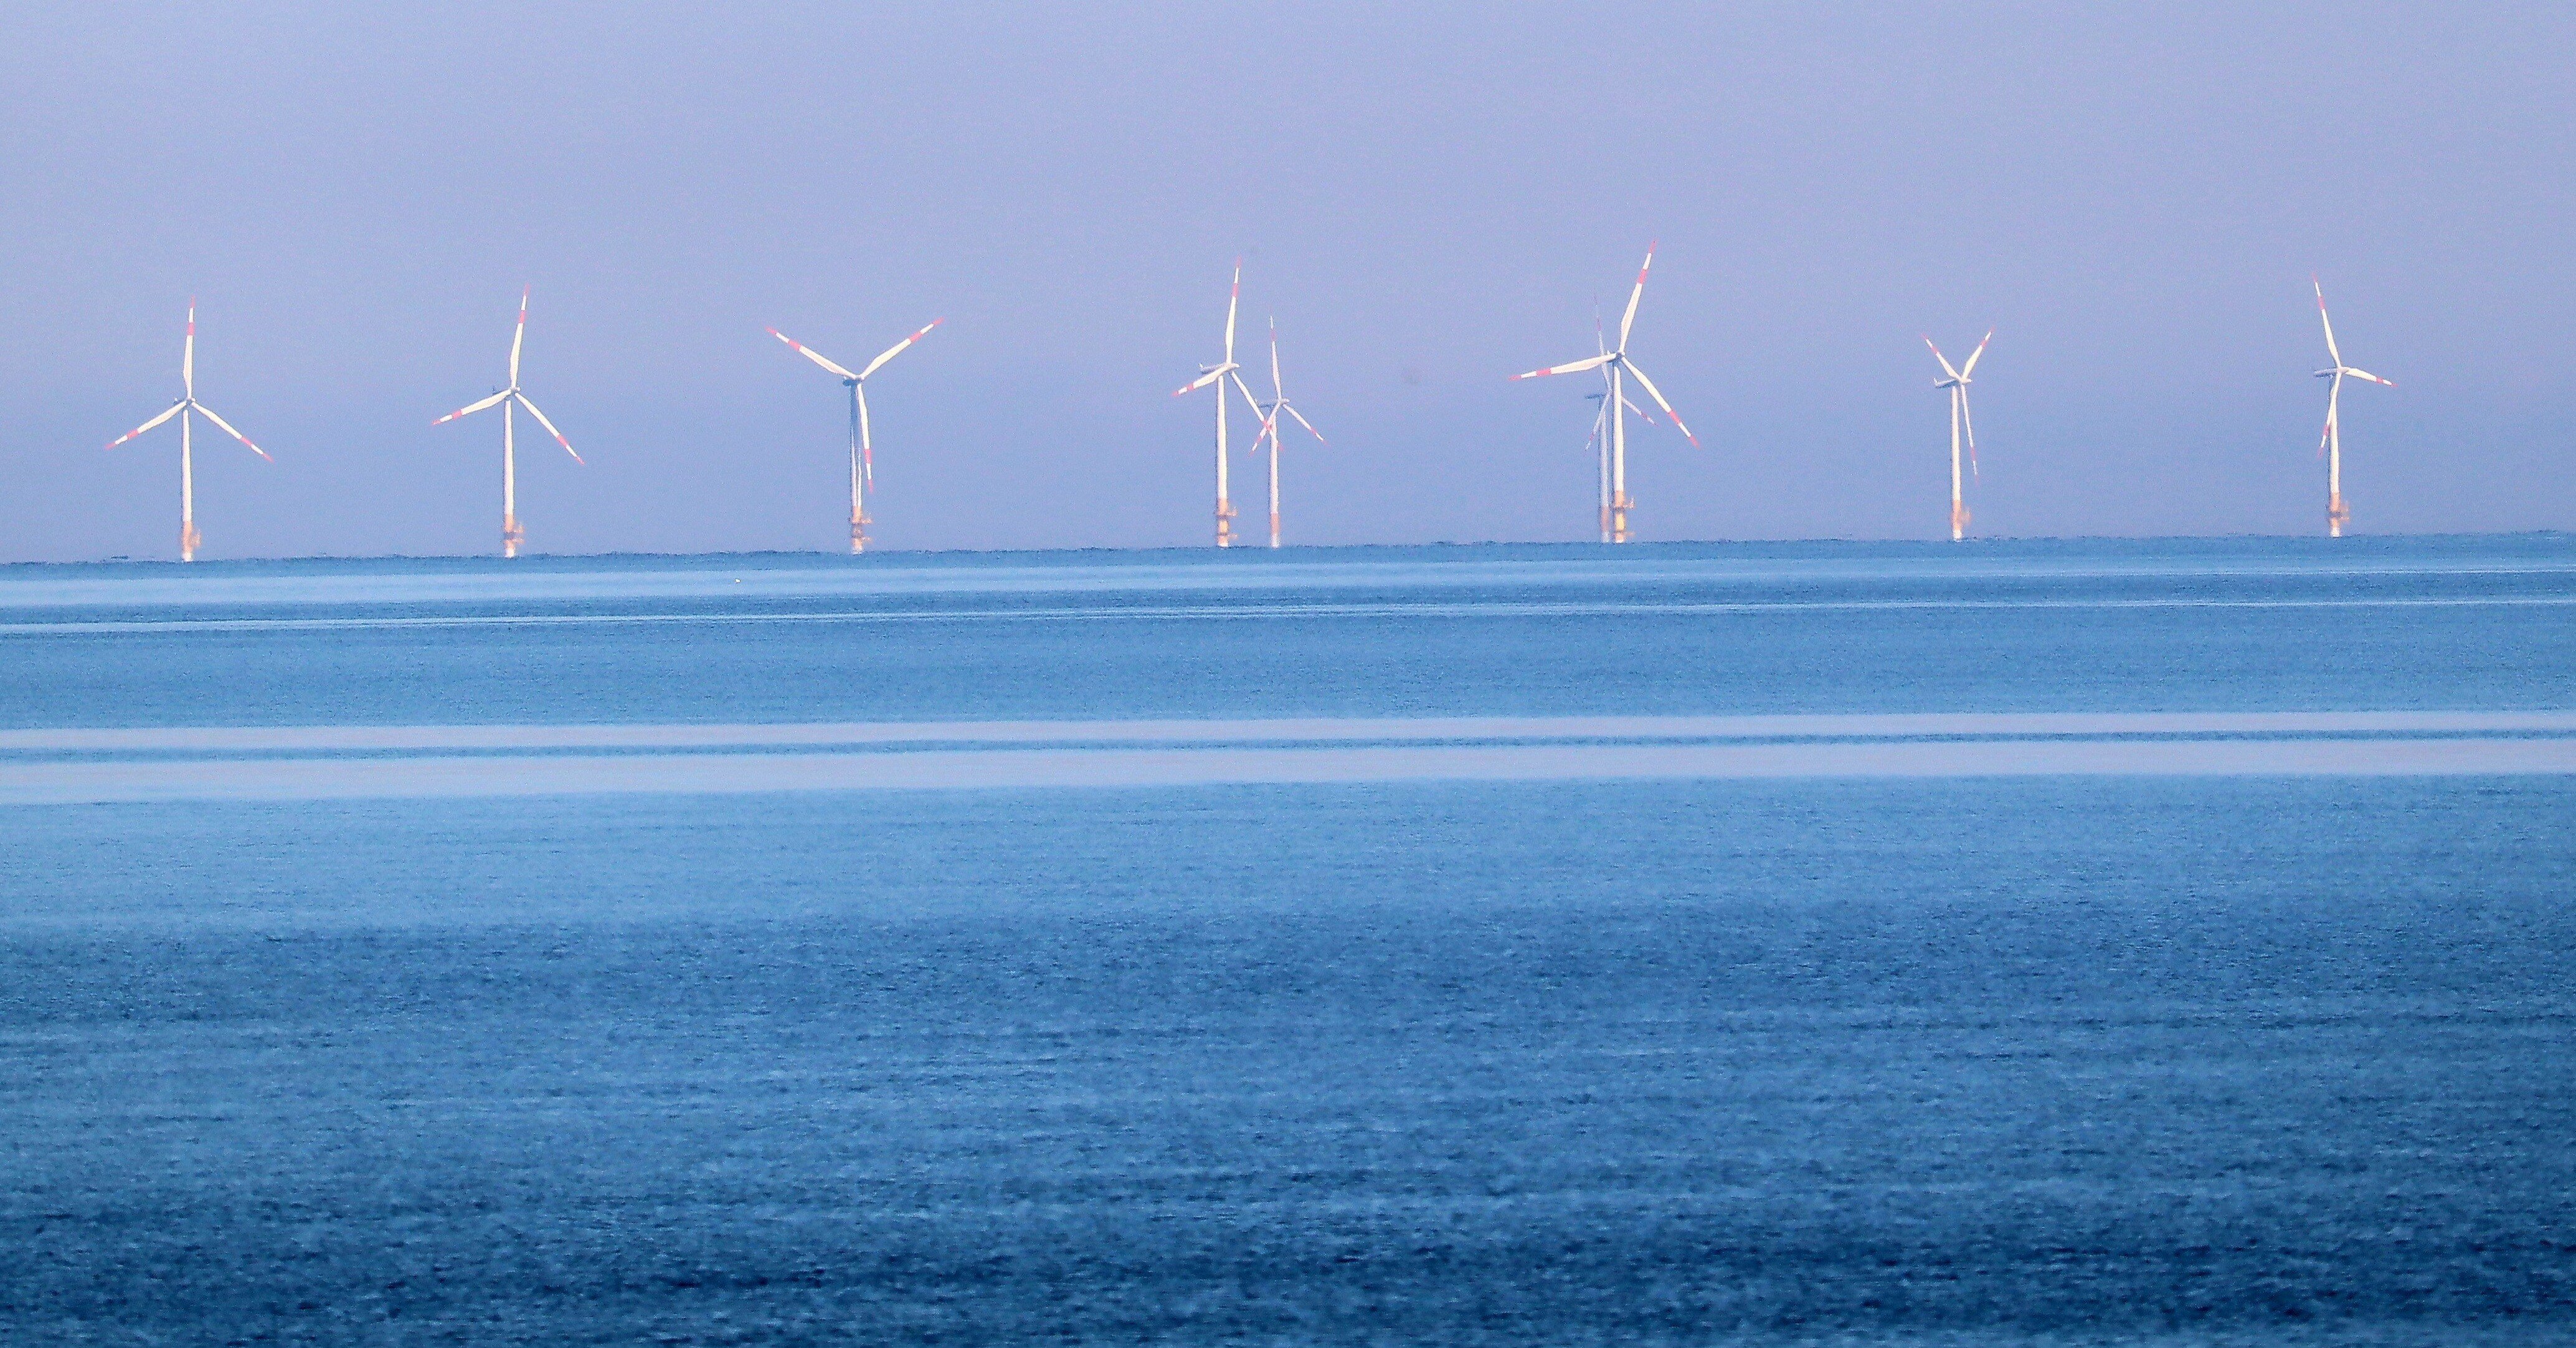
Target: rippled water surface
2087,1026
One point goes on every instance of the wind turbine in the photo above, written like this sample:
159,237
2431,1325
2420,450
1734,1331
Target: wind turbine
1957,383
2331,443
1599,439
1620,368
1217,374
1270,429
863,463
184,410
511,534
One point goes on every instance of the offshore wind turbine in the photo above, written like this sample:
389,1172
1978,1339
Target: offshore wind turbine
2331,443
511,534
1957,382
1599,439
863,463
1270,429
185,410
1620,368
1217,374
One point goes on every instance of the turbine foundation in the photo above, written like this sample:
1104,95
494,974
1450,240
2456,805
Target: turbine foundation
2337,515
1958,521
511,535
1224,523
1274,528
859,534
188,541
1619,508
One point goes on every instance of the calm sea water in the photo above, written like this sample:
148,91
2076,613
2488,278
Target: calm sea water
1963,1053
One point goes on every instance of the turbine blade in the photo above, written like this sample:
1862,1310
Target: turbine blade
228,429
867,437
1969,423
519,337
1269,431
471,408
1310,426
2365,374
550,428
1971,367
188,353
2328,322
165,416
1945,360
1201,382
1642,413
898,348
1231,300
2334,392
1658,395
1592,363
1630,320
1276,389
810,353
1246,391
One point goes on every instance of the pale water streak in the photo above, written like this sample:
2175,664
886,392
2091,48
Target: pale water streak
423,762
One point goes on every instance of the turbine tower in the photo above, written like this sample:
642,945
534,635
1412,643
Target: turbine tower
1621,368
1270,428
1957,382
185,410
1217,374
511,534
2331,443
863,463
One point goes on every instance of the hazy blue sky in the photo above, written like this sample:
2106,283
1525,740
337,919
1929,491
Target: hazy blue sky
1429,201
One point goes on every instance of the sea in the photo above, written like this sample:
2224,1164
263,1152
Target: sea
2007,943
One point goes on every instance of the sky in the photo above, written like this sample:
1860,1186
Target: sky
1427,198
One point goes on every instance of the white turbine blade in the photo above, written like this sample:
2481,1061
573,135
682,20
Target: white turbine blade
2334,393
1269,431
810,353
2328,322
1630,320
1658,395
1201,382
1231,300
2365,374
1277,390
898,348
1246,391
1578,367
165,416
1971,367
519,337
867,437
228,429
550,429
1642,414
1969,423
471,408
188,353
1310,426
1945,362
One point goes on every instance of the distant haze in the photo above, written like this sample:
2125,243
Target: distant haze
1428,200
